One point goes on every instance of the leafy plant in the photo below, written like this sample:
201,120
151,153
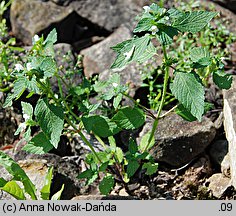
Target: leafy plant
13,188
71,111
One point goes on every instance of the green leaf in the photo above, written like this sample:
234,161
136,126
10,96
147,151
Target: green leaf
166,34
48,66
222,80
144,142
119,155
19,86
103,167
52,37
39,144
14,189
86,174
138,49
117,100
27,110
57,195
8,101
189,92
2,182
129,118
112,141
198,53
118,47
132,167
193,21
45,191
151,168
50,119
133,148
106,184
100,125
18,173
144,24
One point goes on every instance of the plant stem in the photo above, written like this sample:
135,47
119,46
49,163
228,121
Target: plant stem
166,78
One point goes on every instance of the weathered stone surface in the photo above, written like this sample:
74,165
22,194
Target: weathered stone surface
218,151
230,126
218,184
101,197
29,17
225,166
177,141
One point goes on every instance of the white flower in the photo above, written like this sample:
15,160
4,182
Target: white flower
147,9
22,125
114,85
26,117
154,30
35,39
29,66
19,67
129,54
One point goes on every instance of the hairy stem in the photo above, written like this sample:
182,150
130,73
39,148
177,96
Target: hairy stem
166,78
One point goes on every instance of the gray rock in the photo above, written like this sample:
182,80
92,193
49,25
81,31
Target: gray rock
218,184
225,166
177,141
230,126
102,197
218,151
29,17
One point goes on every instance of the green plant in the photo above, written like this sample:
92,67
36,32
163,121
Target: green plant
163,25
71,111
19,175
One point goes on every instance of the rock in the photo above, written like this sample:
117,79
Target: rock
230,4
230,127
99,58
218,151
225,166
29,17
123,192
218,184
177,141
7,177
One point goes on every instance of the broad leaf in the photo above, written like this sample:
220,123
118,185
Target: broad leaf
45,191
189,92
132,167
133,148
107,184
144,24
50,119
129,118
144,142
39,144
48,66
52,37
18,174
193,21
166,34
151,168
14,189
119,154
100,125
138,49
222,80
201,57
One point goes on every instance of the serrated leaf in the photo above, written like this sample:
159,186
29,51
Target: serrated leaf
203,62
193,21
48,66
18,174
14,189
100,125
118,47
189,92
8,101
198,53
39,144
51,120
57,195
144,142
45,191
117,100
106,184
151,168
144,24
129,118
166,34
174,13
138,49
132,167
222,80
27,110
